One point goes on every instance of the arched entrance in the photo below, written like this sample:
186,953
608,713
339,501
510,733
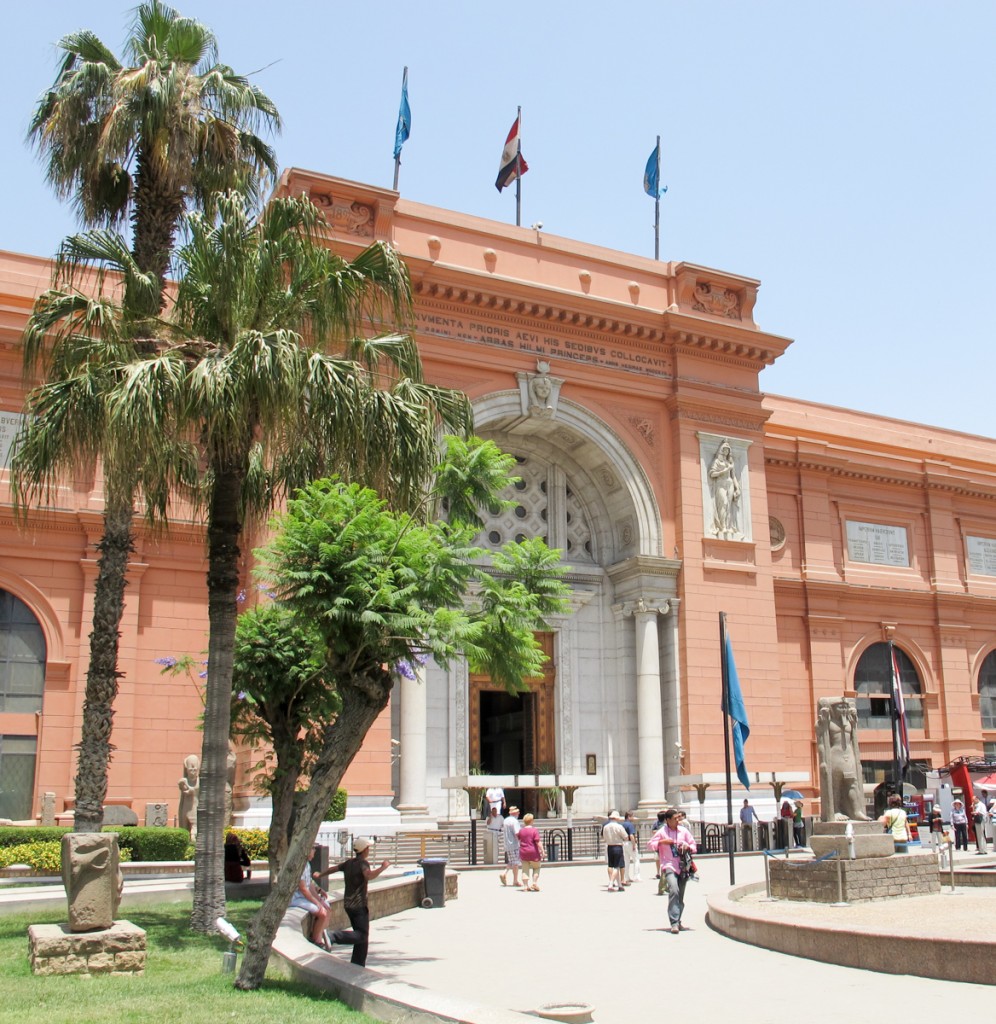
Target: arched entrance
515,734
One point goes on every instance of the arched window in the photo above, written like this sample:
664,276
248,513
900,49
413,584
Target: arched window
987,691
22,657
873,683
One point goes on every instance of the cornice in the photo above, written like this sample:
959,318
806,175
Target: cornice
908,480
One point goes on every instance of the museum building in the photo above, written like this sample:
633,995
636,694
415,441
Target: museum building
630,392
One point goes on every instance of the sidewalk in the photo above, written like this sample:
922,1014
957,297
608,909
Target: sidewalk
576,942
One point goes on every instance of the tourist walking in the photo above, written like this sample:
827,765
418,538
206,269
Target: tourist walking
959,822
676,846
658,825
615,838
513,859
631,851
357,872
748,818
895,821
532,853
798,825
980,816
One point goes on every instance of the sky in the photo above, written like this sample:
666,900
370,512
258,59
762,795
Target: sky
842,152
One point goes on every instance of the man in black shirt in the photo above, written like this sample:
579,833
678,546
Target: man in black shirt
357,872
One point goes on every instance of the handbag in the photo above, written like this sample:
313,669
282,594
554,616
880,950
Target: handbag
978,819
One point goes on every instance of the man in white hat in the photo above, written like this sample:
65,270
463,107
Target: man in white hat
615,838
357,872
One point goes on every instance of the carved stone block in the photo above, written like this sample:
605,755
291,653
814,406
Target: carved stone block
92,878
157,815
48,810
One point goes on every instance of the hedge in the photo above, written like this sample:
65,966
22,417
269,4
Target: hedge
42,856
140,842
151,843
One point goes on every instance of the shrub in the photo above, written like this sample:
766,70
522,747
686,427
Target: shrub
337,809
255,841
152,843
44,856
19,835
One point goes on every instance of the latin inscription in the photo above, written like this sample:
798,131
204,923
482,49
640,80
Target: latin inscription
877,544
10,424
981,555
547,345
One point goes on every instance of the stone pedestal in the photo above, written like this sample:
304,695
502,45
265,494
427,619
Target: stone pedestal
54,949
872,878
869,839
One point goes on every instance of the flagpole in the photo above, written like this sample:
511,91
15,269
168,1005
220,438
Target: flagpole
725,673
397,159
518,169
657,208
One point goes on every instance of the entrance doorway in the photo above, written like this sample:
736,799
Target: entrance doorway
514,734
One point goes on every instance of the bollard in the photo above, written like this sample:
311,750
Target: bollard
951,864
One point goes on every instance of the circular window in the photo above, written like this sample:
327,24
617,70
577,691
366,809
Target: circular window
495,537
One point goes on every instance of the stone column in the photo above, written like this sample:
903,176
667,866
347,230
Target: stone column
650,728
411,789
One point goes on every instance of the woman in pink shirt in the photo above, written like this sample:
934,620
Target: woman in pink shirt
531,851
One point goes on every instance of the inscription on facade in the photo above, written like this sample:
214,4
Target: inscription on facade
877,544
981,555
10,424
541,344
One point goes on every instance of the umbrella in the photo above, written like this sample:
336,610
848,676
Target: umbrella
794,794
989,782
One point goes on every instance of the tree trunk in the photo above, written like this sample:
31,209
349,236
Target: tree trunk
362,702
224,529
102,675
156,212
282,804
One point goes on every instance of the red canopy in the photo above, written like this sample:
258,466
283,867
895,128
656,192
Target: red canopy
989,782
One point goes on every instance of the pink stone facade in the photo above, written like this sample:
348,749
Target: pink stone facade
649,367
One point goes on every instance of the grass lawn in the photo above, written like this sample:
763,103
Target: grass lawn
182,981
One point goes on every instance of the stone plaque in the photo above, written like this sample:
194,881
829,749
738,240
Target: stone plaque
877,544
157,815
10,424
981,555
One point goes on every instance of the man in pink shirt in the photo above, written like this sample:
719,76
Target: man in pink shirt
675,844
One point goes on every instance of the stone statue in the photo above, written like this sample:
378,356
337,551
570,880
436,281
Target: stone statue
725,489
190,787
93,880
230,787
540,390
841,793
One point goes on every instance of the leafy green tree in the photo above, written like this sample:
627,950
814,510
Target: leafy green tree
139,140
382,588
282,700
280,377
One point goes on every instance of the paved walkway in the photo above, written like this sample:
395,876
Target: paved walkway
574,941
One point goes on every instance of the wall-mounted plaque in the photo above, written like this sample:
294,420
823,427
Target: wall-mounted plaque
981,555
10,424
877,544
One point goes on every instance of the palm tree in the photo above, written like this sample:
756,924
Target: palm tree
142,140
280,385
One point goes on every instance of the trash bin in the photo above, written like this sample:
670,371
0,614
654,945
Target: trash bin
435,881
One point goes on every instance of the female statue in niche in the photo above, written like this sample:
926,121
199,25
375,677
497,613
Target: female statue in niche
725,489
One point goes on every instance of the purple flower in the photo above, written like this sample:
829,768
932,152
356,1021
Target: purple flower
241,695
168,662
240,597
202,675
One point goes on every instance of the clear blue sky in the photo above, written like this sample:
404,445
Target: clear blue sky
842,152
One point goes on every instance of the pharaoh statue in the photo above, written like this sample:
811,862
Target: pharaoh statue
190,786
841,793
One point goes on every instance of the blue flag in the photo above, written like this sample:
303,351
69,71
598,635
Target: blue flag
652,175
404,128
738,713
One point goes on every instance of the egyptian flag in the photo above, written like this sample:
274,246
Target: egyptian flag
512,164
